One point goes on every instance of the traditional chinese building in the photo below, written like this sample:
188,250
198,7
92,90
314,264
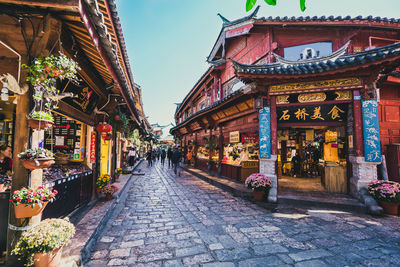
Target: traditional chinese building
320,95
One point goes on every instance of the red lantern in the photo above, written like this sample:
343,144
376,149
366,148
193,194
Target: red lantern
104,127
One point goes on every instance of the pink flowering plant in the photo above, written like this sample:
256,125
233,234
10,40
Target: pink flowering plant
33,196
258,182
388,191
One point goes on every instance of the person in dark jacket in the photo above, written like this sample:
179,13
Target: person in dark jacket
163,156
176,159
296,165
169,156
149,158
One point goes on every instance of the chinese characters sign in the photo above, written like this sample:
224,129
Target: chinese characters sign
93,147
372,143
265,132
314,113
84,97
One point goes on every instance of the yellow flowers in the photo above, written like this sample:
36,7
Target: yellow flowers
103,180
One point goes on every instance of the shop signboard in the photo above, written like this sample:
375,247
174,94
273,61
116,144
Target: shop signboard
93,147
249,138
84,99
312,113
234,137
265,132
372,142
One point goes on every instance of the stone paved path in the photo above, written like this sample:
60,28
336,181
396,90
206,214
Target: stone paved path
183,221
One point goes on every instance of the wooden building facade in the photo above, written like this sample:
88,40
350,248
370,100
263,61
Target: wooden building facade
325,88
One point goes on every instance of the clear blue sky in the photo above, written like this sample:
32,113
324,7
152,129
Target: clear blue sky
168,40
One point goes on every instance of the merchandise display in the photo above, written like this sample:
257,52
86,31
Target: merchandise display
56,172
235,154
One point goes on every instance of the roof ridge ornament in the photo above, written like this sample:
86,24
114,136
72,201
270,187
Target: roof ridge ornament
224,20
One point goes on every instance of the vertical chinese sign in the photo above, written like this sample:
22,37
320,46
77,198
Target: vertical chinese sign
93,147
265,132
372,142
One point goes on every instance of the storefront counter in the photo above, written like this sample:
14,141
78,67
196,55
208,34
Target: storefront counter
248,167
240,172
73,192
231,171
334,179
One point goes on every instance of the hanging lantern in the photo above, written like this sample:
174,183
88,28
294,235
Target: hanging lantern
104,127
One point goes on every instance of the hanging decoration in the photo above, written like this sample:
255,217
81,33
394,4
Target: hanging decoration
43,74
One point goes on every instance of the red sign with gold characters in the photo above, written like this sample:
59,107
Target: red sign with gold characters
93,147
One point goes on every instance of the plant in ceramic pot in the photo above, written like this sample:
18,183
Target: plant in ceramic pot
260,184
387,193
30,202
102,181
118,172
36,158
42,244
109,190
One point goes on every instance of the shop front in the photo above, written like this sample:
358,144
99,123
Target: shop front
312,144
240,157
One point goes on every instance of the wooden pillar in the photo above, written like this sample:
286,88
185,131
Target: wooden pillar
209,140
48,32
221,145
274,126
357,126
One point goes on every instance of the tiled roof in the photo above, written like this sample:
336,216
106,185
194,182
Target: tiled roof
215,104
329,19
322,65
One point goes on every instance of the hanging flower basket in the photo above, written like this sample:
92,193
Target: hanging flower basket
48,237
48,259
29,202
26,211
44,125
36,164
33,159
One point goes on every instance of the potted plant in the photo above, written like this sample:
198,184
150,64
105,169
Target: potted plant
118,172
40,120
387,193
36,158
102,181
211,145
260,184
43,74
109,190
126,171
42,244
30,202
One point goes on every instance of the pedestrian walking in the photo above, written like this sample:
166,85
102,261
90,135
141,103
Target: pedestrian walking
163,156
131,156
169,156
176,159
149,158
158,153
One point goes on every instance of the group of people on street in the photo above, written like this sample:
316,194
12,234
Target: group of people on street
173,157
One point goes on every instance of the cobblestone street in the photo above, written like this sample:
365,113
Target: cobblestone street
183,221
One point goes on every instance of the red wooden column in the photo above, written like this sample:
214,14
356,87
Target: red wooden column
221,145
274,126
357,124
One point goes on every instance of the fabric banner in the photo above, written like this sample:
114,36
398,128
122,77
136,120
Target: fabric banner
265,132
372,142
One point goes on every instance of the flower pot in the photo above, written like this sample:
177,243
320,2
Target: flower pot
25,211
44,124
258,195
109,196
390,208
116,176
40,163
117,117
49,259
